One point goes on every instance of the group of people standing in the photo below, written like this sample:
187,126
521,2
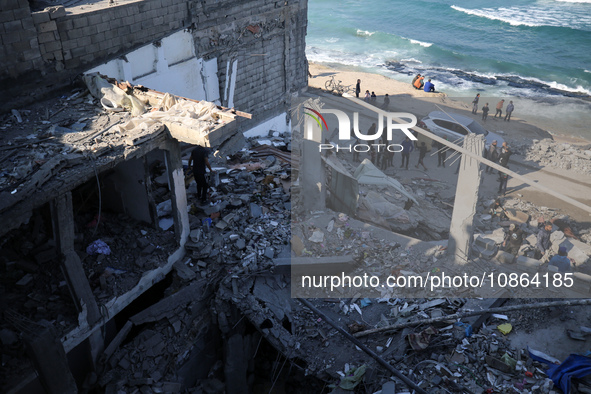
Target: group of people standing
371,97
493,154
499,108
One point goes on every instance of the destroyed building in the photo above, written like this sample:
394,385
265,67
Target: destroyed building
115,280
93,195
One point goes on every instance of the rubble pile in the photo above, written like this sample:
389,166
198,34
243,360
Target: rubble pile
492,221
248,222
547,152
32,286
40,133
129,248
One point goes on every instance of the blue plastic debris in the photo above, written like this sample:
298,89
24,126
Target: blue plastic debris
98,247
575,366
467,328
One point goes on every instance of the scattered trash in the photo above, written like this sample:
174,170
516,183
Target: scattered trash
98,247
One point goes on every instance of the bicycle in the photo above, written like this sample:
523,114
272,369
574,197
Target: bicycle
333,85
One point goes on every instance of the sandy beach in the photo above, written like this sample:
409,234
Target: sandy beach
405,98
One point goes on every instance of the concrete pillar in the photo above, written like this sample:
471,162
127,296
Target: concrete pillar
462,220
176,178
47,353
63,229
312,168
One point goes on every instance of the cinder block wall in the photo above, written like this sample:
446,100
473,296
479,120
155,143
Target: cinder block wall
44,51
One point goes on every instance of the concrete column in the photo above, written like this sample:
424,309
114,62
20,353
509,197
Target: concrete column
312,168
47,353
63,229
176,178
462,220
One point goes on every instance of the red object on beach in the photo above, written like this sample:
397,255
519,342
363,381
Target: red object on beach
529,374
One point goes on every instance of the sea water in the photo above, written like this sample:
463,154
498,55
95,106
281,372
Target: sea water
539,50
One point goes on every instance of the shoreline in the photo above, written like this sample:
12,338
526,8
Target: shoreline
405,98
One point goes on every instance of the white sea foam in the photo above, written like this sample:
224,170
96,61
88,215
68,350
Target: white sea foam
332,40
365,33
587,71
575,1
421,43
411,60
532,16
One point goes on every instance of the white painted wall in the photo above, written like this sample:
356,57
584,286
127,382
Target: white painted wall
172,67
276,123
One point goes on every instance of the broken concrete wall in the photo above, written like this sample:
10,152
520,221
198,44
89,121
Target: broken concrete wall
125,189
46,49
255,49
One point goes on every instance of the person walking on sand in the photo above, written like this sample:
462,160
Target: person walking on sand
422,154
367,96
407,147
500,108
485,112
429,87
508,111
358,88
475,104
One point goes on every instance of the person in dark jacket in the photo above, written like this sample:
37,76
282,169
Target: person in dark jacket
543,241
503,179
407,147
198,162
441,153
475,103
509,111
422,154
485,110
491,154
358,88
505,155
513,240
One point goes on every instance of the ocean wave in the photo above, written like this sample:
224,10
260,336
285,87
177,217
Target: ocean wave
365,33
587,71
532,16
332,40
575,1
421,43
411,60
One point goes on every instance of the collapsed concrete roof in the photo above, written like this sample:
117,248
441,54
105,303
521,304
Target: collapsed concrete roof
65,151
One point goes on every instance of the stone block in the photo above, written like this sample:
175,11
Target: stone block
557,237
487,254
485,243
46,37
505,258
46,26
56,12
528,264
